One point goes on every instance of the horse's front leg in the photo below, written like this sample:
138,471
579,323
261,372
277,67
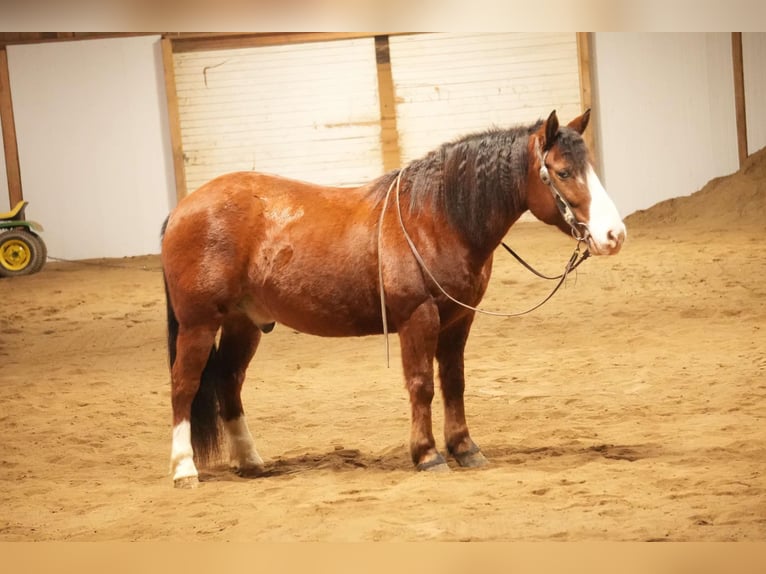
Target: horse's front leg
418,336
450,356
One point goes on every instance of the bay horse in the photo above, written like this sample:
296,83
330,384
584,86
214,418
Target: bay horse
248,250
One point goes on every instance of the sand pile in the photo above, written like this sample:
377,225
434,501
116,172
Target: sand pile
731,202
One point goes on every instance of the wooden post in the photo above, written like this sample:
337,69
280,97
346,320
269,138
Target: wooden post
174,119
584,65
739,95
10,147
389,132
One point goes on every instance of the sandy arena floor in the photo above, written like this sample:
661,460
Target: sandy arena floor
630,407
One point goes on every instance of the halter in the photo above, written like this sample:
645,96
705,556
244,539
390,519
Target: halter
579,229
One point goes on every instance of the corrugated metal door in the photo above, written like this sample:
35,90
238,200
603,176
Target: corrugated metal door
307,111
447,85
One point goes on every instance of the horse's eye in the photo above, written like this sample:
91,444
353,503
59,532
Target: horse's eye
563,174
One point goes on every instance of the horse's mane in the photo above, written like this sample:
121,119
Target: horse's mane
472,179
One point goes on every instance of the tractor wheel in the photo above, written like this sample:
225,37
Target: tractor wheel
43,252
21,253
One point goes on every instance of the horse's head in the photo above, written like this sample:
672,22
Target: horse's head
565,191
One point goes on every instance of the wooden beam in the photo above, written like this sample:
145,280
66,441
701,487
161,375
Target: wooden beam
389,132
739,95
193,41
184,42
585,68
7,38
10,146
174,118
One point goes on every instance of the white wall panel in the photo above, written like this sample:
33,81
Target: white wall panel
665,114
94,151
448,84
306,111
754,61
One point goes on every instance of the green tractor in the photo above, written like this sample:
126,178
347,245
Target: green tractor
22,250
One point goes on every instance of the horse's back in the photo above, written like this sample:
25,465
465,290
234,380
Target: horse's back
235,204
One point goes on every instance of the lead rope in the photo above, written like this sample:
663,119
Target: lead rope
518,258
380,268
575,260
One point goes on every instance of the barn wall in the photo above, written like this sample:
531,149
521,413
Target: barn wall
754,63
96,162
665,114
94,149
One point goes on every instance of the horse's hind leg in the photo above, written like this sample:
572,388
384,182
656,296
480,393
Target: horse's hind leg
449,354
192,354
239,341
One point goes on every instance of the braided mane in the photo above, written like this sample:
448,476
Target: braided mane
472,179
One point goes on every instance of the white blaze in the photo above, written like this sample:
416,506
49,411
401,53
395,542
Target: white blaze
606,227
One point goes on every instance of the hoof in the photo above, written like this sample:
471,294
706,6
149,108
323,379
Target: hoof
248,471
472,458
186,482
437,464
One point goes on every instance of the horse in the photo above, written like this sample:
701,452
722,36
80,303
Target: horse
248,250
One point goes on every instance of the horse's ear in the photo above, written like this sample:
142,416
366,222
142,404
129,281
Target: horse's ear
551,128
579,124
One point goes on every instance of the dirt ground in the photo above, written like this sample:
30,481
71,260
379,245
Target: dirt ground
632,406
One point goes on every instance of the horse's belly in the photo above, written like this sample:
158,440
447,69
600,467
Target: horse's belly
334,325
331,311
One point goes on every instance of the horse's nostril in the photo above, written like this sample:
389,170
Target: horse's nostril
616,237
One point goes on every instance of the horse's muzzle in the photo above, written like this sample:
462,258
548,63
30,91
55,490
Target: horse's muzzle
609,245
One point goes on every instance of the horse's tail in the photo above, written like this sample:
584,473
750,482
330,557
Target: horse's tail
205,422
